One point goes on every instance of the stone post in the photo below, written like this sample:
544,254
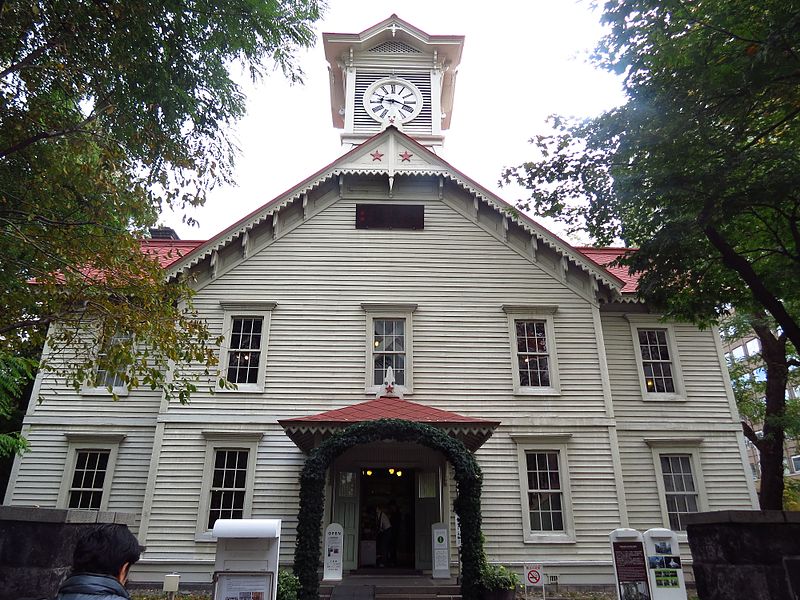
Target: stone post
36,546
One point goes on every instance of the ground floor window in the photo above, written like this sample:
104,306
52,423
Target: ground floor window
89,470
544,488
679,478
545,505
88,479
229,485
680,491
228,479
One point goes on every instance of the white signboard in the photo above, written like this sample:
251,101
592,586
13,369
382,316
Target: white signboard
243,586
534,576
458,531
664,569
440,541
333,552
630,566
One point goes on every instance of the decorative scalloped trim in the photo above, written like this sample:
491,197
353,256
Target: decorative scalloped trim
503,209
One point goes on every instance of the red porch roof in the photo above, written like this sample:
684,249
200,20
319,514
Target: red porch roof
308,431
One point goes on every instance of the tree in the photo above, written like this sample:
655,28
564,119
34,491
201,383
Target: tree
698,168
109,113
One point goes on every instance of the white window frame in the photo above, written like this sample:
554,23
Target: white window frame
795,461
244,310
534,312
77,442
672,446
375,311
225,440
649,323
101,390
545,443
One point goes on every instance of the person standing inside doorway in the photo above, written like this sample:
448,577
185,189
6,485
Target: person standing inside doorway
385,536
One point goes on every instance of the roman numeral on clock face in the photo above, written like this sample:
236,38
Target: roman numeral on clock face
407,108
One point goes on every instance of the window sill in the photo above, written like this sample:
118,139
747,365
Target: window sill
398,389
664,398
535,391
549,539
241,389
205,537
102,391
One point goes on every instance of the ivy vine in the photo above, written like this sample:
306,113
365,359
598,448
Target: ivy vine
467,503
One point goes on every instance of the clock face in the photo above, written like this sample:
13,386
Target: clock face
392,101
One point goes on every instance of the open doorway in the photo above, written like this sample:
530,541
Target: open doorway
386,518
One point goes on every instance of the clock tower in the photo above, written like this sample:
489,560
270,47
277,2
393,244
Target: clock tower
392,74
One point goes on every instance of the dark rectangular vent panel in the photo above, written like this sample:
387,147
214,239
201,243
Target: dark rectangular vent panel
390,216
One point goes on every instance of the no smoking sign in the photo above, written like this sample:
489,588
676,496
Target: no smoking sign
533,575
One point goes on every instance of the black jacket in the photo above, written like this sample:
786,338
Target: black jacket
91,586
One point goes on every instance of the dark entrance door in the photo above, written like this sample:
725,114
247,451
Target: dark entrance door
387,518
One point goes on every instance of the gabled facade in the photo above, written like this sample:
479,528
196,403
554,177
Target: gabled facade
390,284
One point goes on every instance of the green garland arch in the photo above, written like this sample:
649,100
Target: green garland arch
312,496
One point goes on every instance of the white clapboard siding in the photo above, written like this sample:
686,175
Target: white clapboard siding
41,474
722,472
705,389
595,508
458,275
459,272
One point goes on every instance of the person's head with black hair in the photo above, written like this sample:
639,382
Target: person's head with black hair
108,549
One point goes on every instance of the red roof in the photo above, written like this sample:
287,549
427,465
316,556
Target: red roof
604,256
389,408
307,431
169,251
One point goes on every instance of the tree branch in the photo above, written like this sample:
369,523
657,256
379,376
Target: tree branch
750,434
760,292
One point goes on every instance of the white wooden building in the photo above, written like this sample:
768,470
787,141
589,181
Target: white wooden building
585,411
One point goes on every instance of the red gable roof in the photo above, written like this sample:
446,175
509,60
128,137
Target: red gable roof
604,256
389,408
167,252
306,431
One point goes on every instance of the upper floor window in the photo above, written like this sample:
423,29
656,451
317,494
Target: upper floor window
244,351
390,335
108,378
657,360
533,349
389,349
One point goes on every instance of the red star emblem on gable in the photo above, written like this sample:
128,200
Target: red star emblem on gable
376,155
406,156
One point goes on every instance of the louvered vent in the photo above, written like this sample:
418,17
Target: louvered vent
394,47
365,124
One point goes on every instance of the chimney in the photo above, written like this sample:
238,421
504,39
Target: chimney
163,233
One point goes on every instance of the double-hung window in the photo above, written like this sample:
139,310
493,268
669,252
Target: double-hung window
680,491
390,336
228,478
656,359
243,355
108,378
534,364
89,470
544,488
679,479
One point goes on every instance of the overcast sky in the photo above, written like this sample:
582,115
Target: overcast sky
522,61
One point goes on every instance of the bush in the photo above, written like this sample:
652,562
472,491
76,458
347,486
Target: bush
497,577
288,585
